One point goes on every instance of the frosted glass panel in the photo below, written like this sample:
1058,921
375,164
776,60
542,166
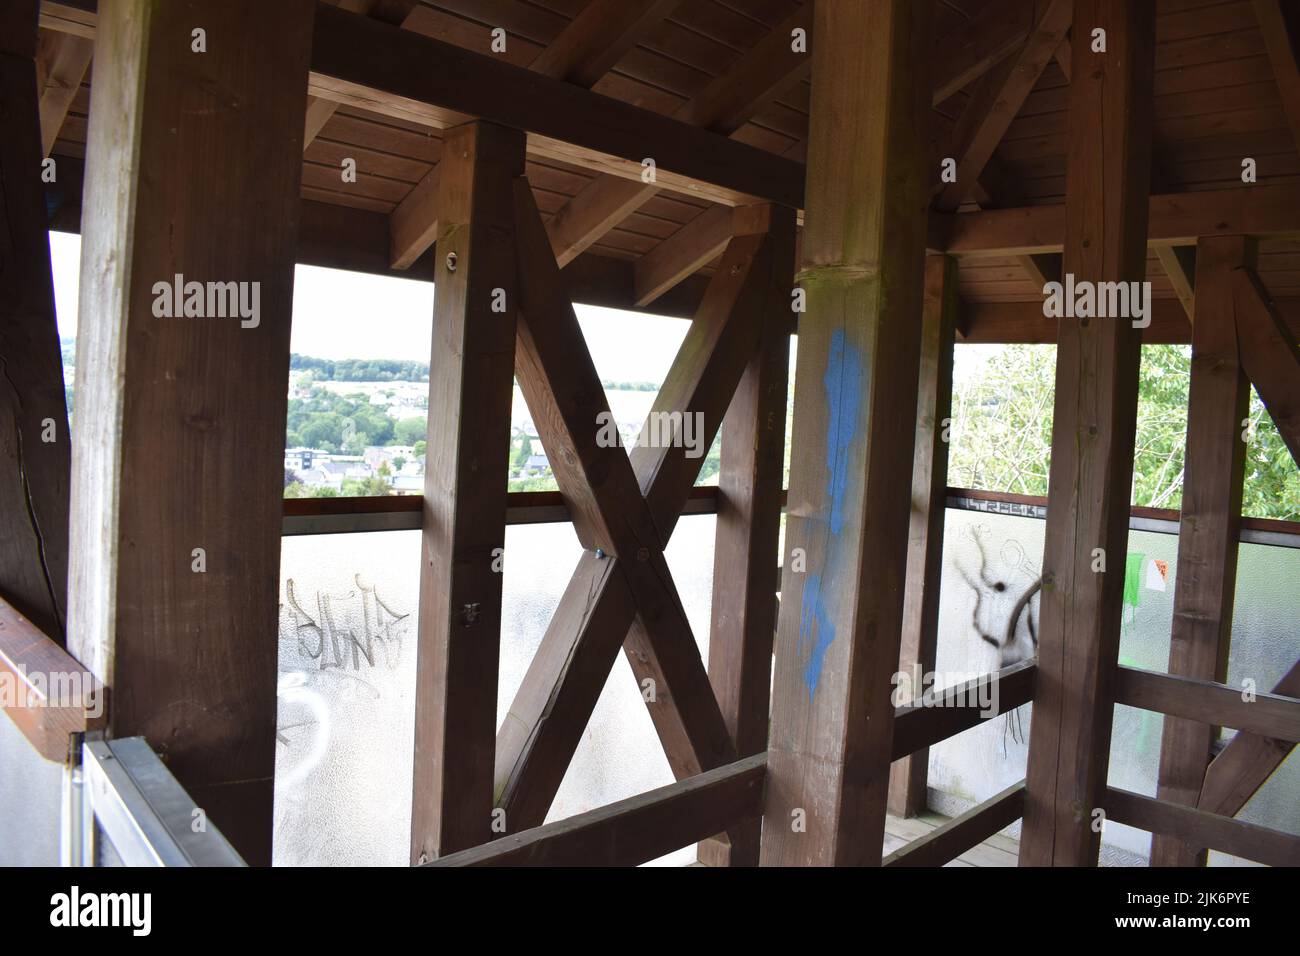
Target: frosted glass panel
347,681
989,562
30,795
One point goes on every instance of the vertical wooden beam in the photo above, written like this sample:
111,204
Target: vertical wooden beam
1207,534
746,549
34,471
179,443
851,474
1107,182
471,372
920,634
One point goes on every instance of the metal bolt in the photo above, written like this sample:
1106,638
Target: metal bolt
451,262
600,553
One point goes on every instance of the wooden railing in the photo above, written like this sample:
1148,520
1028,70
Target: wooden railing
44,690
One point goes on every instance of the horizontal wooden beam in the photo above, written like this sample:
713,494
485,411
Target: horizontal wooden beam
1024,322
44,690
1209,702
952,839
1177,219
956,709
358,240
1246,840
635,830
383,68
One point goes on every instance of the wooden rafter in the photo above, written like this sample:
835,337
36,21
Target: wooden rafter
626,508
997,31
758,77
583,52
63,59
438,84
998,97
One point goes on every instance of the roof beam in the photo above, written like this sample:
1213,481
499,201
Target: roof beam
1177,219
987,39
759,76
63,59
583,52
1281,30
598,37
319,111
440,85
998,98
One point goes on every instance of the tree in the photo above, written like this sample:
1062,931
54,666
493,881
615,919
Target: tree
1002,432
408,431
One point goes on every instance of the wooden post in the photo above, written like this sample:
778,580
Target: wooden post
179,446
471,372
1108,177
35,448
851,471
1207,534
746,549
920,634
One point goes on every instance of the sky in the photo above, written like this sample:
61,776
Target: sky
339,315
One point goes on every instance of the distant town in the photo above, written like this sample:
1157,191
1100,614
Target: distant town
356,427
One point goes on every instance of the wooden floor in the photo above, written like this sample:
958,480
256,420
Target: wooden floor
998,850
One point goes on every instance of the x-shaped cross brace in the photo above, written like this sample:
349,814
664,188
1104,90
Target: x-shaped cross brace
626,507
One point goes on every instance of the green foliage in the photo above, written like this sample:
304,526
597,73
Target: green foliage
322,421
365,487
408,431
360,370
1002,432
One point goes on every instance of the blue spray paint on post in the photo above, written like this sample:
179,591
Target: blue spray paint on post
843,382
